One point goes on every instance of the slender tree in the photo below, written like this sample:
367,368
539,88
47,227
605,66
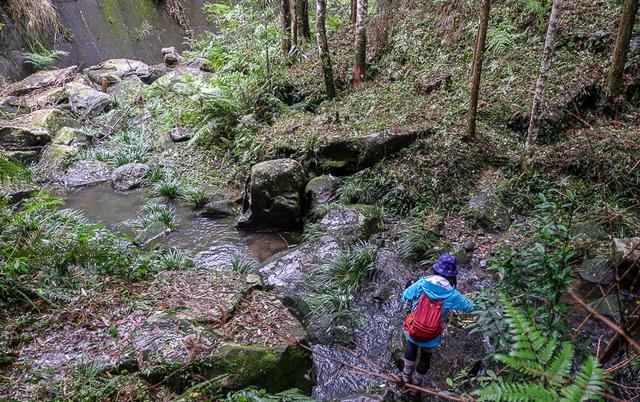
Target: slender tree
625,28
360,65
323,48
353,11
306,28
476,72
285,26
545,67
295,13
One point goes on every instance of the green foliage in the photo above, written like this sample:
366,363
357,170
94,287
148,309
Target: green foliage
169,187
521,190
420,238
153,212
12,171
129,146
44,59
260,395
195,197
175,260
540,368
242,266
380,186
46,250
336,281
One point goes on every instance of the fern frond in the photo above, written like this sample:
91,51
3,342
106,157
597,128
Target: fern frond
514,392
588,383
561,364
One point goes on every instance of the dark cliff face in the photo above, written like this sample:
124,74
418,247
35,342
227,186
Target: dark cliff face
103,29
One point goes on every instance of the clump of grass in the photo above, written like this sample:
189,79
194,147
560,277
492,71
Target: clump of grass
421,237
157,212
241,265
37,17
168,187
156,174
175,259
195,197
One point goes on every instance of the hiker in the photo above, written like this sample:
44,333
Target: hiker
432,297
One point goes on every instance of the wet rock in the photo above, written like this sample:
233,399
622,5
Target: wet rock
71,136
288,270
321,190
221,255
35,129
87,102
180,134
127,90
86,172
598,270
626,257
350,154
151,234
273,196
40,80
218,208
469,245
351,223
115,70
338,329
129,176
172,59
487,211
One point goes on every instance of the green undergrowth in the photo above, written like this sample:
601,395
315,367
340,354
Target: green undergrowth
50,254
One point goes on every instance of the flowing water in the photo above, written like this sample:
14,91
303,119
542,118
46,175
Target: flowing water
212,240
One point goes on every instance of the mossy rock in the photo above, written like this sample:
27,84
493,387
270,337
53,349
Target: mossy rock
487,211
352,223
34,129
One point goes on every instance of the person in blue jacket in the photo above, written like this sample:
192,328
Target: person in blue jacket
440,286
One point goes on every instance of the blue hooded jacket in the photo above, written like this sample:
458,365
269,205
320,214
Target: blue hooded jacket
436,288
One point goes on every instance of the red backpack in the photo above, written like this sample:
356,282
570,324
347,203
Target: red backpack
425,323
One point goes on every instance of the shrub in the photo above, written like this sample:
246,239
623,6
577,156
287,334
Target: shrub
420,238
168,187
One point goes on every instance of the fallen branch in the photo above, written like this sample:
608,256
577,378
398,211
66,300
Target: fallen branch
605,320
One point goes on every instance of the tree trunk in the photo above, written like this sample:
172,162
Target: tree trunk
323,48
360,65
625,28
285,26
295,13
545,66
306,28
476,72
354,11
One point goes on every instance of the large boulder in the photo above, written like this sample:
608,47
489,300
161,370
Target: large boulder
35,129
350,154
115,70
54,158
273,196
85,101
127,90
488,212
321,190
40,80
288,270
71,136
49,97
351,223
129,176
86,172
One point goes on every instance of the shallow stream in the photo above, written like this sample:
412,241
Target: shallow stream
198,235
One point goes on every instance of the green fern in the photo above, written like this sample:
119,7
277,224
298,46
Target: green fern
540,367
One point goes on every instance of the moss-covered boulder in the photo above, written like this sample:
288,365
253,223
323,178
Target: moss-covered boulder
35,129
127,90
321,190
350,154
54,158
85,101
71,136
129,176
273,196
352,222
488,212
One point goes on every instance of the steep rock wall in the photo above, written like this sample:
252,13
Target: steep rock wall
103,29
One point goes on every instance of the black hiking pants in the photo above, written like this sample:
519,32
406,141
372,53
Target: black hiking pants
411,353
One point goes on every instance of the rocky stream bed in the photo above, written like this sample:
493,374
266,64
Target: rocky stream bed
211,324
